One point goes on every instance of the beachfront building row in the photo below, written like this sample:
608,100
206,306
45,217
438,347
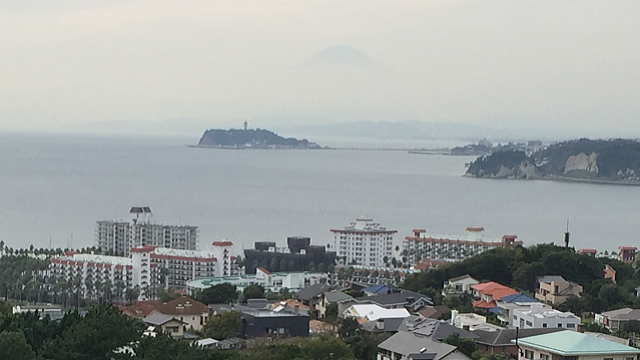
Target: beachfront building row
148,270
270,281
119,237
423,246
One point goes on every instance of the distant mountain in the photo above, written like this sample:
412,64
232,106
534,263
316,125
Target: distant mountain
340,55
608,161
252,138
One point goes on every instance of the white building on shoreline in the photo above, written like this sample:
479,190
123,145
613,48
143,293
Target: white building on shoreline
364,242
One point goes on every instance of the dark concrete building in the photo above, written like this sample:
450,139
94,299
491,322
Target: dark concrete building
274,323
299,255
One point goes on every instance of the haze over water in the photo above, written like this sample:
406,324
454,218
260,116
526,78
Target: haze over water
59,186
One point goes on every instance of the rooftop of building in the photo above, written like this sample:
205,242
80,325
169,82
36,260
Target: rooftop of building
242,280
541,312
159,319
183,305
571,343
495,290
623,314
365,225
503,337
373,312
98,259
409,344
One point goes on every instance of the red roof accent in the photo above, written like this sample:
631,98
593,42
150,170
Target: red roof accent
510,237
588,251
264,270
143,249
222,243
474,228
495,290
628,248
419,230
427,264
484,305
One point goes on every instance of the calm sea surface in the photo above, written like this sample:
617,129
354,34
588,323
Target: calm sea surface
57,187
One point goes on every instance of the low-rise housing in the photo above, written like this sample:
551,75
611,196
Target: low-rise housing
270,281
405,345
616,319
372,312
508,304
573,345
540,317
191,314
627,254
166,323
333,297
398,298
609,273
471,322
459,285
500,341
489,293
280,322
555,290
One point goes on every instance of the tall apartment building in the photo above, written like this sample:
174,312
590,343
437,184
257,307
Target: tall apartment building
299,255
148,269
363,242
119,237
423,246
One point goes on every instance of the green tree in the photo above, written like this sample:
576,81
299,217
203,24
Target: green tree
218,294
224,325
465,346
13,345
253,292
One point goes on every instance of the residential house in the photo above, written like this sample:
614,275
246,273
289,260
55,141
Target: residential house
609,273
399,298
438,330
616,319
471,322
372,312
627,254
540,317
378,290
554,289
312,296
499,342
487,294
573,345
590,252
508,304
279,322
192,313
405,345
167,323
459,285
435,312
332,297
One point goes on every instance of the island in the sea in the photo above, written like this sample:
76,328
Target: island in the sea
615,161
251,139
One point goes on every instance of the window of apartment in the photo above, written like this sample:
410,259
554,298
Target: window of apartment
529,323
608,358
544,325
528,354
571,326
544,357
559,325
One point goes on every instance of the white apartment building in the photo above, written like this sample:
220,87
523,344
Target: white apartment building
507,311
177,267
363,242
119,237
542,317
148,269
422,246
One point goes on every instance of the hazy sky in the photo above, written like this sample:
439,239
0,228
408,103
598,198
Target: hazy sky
157,65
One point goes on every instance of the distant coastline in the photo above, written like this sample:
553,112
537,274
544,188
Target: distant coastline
252,139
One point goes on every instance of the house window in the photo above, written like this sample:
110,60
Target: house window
544,357
544,325
528,354
559,325
529,323
571,326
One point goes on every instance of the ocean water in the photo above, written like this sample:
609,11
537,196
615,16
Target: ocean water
54,188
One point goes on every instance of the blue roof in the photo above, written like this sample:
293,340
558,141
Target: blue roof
519,297
377,289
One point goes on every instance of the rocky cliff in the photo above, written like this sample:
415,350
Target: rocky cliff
612,161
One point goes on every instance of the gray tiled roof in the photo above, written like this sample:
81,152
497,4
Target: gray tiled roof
336,296
623,314
407,343
158,319
401,297
503,337
312,291
435,329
